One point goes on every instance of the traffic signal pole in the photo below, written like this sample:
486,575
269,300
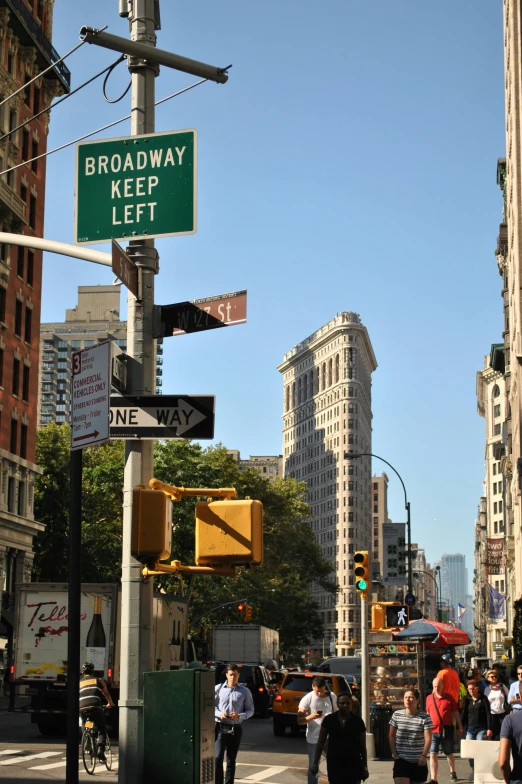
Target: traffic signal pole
136,593
365,668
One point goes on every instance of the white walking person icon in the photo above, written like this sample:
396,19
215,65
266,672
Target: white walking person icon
401,617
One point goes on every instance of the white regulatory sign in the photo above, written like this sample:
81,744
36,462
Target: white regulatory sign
90,396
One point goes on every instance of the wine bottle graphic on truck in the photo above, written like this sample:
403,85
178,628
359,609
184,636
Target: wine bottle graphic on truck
95,642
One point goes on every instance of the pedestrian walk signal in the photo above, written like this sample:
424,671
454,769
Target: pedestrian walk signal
389,615
397,616
361,563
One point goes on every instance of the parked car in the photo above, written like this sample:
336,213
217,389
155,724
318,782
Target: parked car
293,688
346,665
257,679
277,677
354,684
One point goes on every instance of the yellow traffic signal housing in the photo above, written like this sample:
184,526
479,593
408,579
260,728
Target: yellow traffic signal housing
361,562
248,612
240,609
229,532
151,538
378,617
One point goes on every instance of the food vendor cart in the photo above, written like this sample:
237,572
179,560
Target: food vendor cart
433,639
409,658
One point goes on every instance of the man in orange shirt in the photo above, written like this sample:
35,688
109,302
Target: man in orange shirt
449,677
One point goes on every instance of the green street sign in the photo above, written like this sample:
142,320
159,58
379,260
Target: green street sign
136,187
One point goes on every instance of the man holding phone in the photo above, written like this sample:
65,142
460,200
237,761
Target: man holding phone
233,704
513,697
312,709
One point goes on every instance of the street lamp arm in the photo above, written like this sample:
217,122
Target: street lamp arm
349,455
353,456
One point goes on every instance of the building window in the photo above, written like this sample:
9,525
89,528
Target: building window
1,367
23,441
3,300
497,410
28,324
25,383
16,376
18,319
495,510
30,267
496,391
13,441
11,495
496,430
20,262
32,212
21,498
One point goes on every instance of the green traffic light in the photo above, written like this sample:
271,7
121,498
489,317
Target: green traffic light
361,585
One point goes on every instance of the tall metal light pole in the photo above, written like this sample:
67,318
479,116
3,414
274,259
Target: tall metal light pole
437,606
354,456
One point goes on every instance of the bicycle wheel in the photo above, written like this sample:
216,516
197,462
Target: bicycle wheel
88,752
108,753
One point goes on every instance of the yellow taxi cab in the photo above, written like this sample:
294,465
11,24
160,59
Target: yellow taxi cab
292,690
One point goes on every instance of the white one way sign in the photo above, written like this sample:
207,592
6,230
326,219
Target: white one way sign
162,416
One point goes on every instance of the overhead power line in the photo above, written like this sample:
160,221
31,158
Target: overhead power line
109,68
99,130
42,73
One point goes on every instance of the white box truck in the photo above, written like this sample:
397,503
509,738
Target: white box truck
40,645
246,643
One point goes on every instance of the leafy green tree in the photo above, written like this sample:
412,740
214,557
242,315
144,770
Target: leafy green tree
102,503
101,508
278,590
51,502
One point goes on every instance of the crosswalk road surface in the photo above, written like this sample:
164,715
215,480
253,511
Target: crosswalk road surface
35,761
54,762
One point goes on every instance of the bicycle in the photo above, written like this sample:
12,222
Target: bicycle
90,749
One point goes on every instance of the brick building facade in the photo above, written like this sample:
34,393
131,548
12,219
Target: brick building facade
25,51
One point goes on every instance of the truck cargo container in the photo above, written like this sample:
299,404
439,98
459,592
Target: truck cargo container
39,676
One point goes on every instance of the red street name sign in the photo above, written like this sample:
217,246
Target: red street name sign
198,315
124,268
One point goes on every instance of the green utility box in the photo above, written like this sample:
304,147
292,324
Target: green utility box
178,726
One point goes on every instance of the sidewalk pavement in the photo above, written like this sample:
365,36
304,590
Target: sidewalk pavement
381,771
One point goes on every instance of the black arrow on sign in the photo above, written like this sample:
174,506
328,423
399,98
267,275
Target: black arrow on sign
87,435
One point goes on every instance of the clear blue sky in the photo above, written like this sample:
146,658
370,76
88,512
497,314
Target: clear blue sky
348,164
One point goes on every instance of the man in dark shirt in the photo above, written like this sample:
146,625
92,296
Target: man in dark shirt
346,756
93,697
511,741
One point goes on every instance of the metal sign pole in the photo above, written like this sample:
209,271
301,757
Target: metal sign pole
74,608
137,594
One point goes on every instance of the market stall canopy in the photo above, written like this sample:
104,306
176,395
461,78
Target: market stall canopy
431,631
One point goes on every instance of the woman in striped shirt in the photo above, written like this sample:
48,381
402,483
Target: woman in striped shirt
410,739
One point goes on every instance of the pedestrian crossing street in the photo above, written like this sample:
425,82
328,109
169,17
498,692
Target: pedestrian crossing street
46,760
